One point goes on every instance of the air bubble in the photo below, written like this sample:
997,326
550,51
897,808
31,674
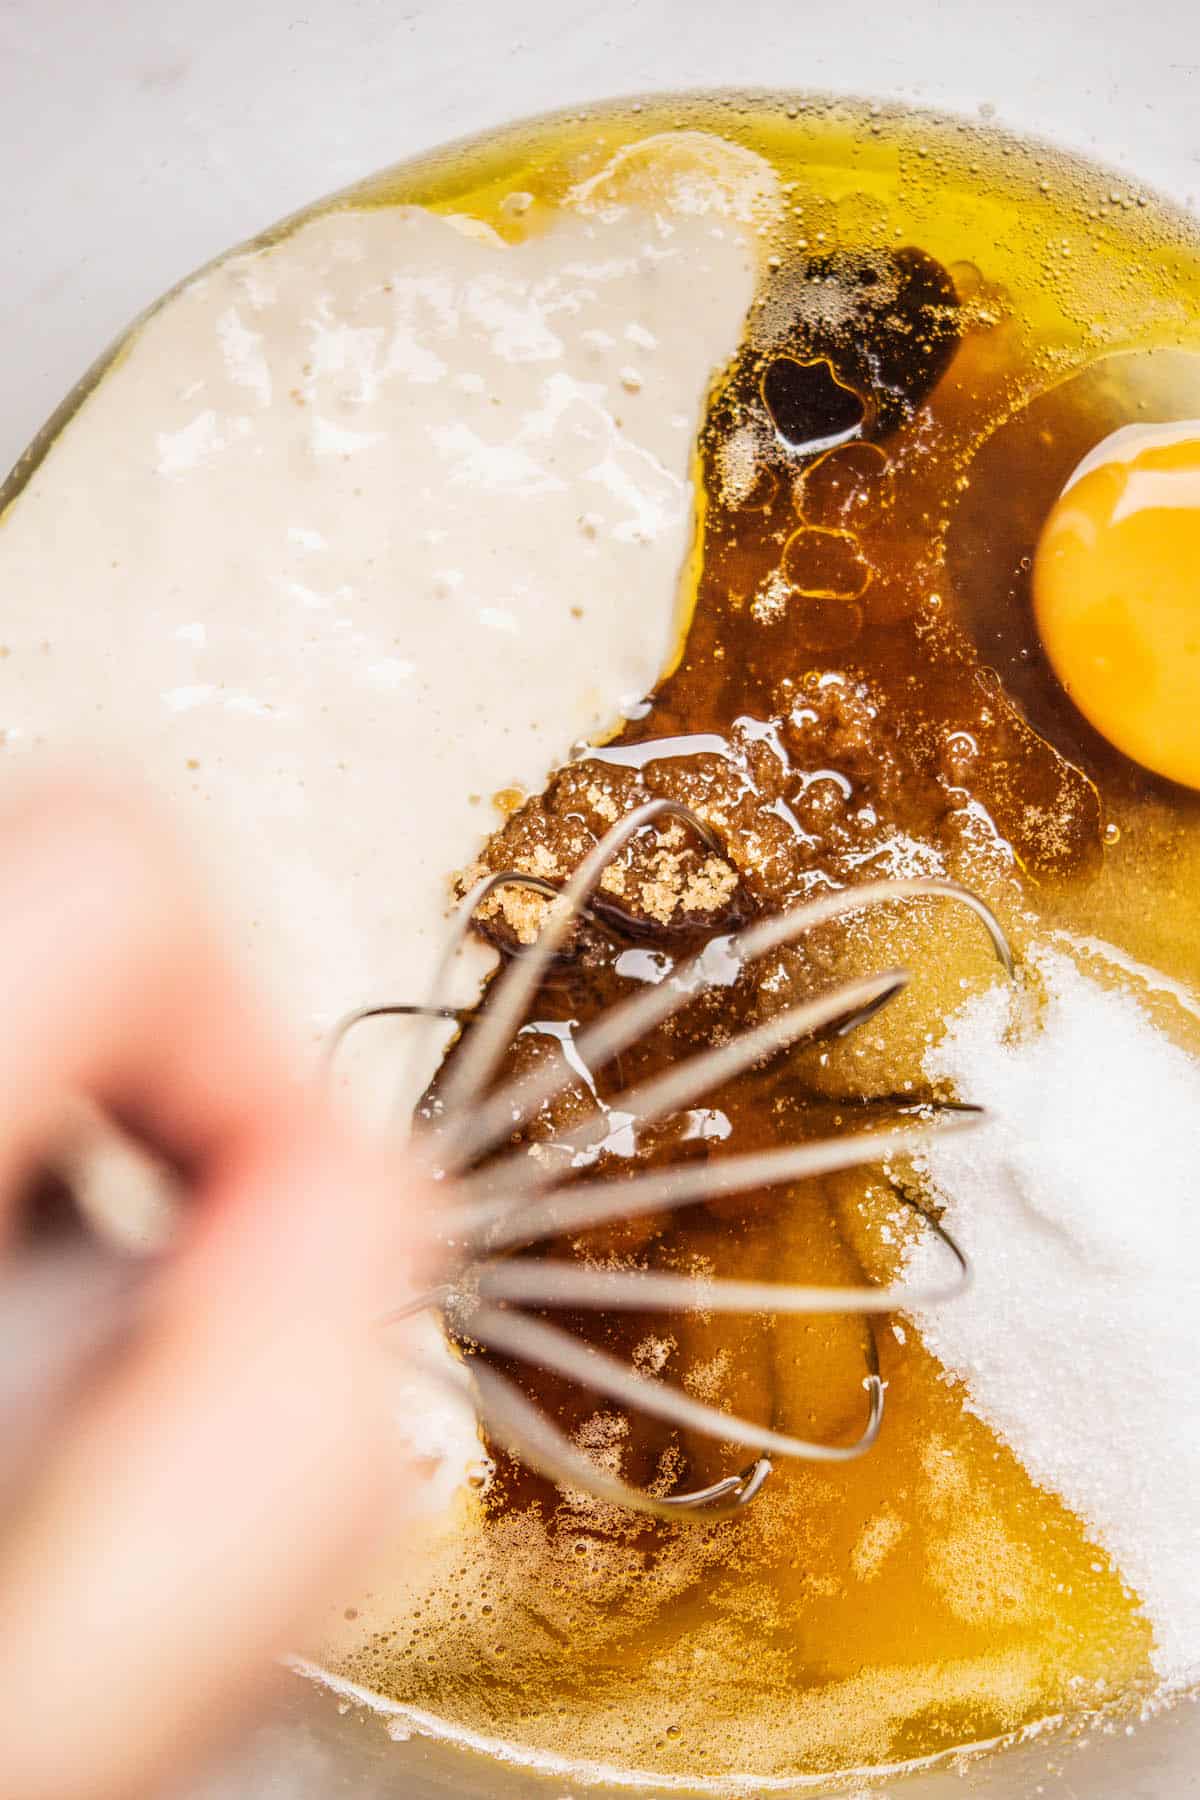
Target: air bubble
826,563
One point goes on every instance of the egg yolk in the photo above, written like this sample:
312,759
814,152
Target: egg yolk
1116,594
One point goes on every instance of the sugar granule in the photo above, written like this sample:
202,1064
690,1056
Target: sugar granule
1077,1204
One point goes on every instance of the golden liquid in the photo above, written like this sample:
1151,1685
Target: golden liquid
929,1595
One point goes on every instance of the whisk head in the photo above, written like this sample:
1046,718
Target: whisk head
507,1199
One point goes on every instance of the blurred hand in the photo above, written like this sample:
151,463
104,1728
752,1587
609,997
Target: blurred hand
212,1480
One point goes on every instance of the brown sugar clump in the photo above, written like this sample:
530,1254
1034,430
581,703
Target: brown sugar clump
677,886
665,878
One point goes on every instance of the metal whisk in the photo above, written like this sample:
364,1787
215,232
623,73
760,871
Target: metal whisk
516,1199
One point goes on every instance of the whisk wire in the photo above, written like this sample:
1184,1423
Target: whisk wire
525,1431
671,1092
519,1199
534,1341
498,1115
483,1050
493,1224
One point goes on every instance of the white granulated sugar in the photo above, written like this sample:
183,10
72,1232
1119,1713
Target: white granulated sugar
1077,1203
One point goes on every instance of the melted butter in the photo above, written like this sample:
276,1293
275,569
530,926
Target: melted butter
929,1595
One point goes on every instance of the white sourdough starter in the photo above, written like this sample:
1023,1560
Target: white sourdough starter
361,529
365,526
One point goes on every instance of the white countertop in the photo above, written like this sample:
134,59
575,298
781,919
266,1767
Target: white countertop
138,139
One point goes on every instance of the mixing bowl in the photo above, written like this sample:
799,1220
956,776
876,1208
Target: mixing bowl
162,140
